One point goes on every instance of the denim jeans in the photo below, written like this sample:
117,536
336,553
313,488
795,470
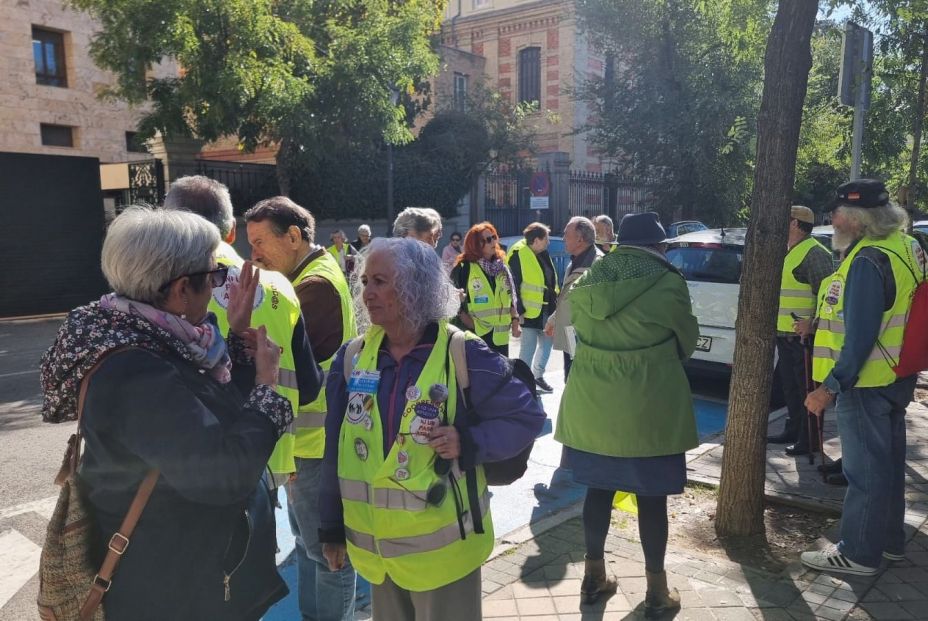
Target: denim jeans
871,423
324,595
538,360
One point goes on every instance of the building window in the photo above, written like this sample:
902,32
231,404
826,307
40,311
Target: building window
57,135
481,4
134,144
48,53
530,75
460,92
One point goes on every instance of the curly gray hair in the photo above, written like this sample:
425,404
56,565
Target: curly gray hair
146,248
423,289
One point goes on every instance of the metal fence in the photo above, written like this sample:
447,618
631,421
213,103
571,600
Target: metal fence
507,201
248,183
592,194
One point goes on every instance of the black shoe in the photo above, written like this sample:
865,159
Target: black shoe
836,479
543,386
832,468
781,438
795,450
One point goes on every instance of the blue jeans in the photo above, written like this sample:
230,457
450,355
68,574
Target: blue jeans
871,423
527,354
324,595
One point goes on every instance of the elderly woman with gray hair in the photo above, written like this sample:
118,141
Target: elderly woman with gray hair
402,474
162,399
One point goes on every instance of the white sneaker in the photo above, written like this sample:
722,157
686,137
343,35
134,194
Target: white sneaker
889,556
832,560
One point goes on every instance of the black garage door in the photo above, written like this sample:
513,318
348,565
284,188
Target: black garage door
51,232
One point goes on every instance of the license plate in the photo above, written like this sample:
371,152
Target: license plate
704,343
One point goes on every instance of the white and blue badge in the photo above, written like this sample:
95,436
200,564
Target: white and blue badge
413,393
482,299
425,420
221,295
364,381
360,449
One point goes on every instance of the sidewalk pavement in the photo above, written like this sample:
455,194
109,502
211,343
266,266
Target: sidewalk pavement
539,579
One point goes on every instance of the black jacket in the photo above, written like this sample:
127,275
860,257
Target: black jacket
210,513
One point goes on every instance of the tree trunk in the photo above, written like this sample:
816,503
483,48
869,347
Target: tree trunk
284,163
786,66
917,132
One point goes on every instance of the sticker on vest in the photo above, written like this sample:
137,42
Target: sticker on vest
481,299
360,449
222,294
834,292
438,393
919,253
359,407
402,458
422,424
413,393
364,381
476,284
401,474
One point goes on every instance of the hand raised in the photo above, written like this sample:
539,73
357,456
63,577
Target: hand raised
267,359
242,298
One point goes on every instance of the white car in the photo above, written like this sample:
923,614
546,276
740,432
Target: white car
921,226
711,261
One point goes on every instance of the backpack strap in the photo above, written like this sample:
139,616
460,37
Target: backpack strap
352,349
120,539
459,357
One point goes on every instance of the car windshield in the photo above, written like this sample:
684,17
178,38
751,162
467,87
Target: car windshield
708,263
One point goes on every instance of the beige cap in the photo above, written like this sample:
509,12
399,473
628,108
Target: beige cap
803,214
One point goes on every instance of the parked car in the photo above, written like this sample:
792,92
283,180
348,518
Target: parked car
921,226
685,226
555,249
824,234
710,260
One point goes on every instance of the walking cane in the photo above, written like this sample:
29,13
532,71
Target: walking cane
814,426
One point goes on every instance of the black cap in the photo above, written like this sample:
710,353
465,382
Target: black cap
866,193
641,229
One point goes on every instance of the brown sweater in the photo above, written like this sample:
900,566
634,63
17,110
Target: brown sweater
322,310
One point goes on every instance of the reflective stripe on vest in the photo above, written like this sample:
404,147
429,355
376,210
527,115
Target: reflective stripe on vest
390,527
278,309
403,546
489,307
310,419
877,370
796,297
532,289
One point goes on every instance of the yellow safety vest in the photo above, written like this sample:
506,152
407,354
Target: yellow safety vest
278,309
491,309
390,526
310,419
796,297
532,289
829,337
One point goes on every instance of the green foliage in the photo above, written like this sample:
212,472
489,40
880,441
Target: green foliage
681,102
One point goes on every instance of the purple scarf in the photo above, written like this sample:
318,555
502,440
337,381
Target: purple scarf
492,268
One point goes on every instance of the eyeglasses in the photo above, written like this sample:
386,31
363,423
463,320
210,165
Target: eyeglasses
217,277
455,239
490,239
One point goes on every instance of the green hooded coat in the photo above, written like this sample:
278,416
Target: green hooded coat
627,394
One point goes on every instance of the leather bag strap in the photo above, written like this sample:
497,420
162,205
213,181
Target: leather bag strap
120,539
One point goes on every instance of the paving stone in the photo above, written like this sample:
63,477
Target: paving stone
695,614
719,598
918,609
732,614
633,585
821,589
910,574
499,608
535,606
901,592
527,590
503,593
565,587
886,611
823,612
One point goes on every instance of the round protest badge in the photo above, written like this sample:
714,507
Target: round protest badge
476,284
401,474
368,422
356,412
222,294
360,449
422,424
413,393
402,458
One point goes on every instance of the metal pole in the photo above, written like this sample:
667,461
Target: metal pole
389,189
858,139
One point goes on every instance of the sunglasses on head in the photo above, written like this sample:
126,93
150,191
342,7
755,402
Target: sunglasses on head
217,277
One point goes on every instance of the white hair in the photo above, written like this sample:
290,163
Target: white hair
424,292
364,230
876,222
418,220
585,229
205,197
146,248
603,219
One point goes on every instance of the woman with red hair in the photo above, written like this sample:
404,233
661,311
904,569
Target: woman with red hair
489,307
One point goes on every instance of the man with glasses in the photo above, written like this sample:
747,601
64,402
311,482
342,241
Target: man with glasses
451,251
276,305
282,237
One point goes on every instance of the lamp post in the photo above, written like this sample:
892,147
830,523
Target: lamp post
394,97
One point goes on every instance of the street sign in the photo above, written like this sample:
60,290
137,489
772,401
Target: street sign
540,187
856,66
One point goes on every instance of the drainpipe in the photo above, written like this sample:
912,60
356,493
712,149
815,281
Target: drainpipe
454,35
